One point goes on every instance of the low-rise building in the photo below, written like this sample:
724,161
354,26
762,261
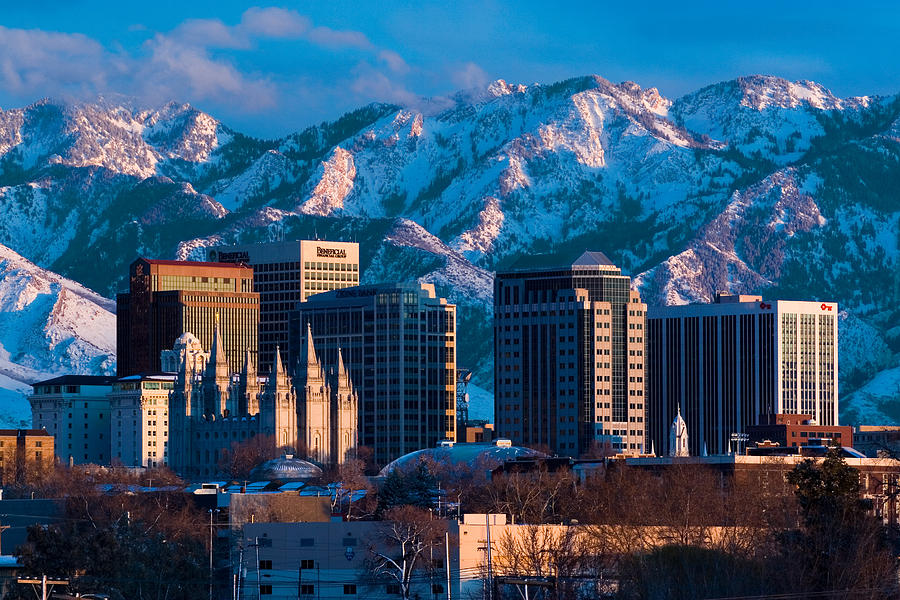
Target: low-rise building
879,477
25,454
878,440
798,430
328,560
74,409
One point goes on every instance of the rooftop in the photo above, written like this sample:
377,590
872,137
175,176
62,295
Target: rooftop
487,455
566,258
77,380
195,263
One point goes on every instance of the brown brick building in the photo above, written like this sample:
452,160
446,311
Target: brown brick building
797,430
167,298
24,454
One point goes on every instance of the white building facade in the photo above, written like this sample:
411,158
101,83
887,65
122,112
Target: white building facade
74,409
730,362
139,408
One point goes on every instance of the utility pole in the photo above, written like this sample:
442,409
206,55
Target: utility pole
211,511
447,559
2,529
44,582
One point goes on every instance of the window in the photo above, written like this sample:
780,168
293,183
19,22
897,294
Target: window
392,588
307,564
307,589
265,564
265,589
349,589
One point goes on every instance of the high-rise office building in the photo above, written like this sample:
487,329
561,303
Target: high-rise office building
168,297
735,362
285,273
399,344
569,357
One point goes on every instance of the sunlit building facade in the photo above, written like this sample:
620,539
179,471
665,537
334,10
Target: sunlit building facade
288,272
734,362
569,357
167,298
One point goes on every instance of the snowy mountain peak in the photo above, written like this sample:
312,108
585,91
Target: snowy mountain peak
765,91
123,140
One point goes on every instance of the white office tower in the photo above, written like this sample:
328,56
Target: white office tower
730,362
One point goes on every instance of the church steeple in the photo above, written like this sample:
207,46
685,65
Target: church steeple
278,377
309,369
678,436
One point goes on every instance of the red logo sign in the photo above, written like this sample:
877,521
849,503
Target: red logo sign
825,307
765,305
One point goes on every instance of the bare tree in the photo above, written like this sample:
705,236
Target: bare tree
562,558
402,546
245,455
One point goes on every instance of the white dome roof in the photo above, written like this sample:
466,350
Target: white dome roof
187,340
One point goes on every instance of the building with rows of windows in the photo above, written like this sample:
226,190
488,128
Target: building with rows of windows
288,272
74,409
399,344
168,297
735,362
569,356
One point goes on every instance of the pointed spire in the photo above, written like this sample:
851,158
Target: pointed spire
278,376
217,359
248,365
341,371
278,367
311,358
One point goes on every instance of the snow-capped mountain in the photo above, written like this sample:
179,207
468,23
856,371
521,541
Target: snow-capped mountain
49,326
752,185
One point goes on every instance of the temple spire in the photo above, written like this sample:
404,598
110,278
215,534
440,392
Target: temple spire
218,362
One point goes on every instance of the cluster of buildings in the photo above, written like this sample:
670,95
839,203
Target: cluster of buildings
280,339
276,339
581,362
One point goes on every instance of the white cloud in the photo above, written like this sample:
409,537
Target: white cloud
470,76
199,60
64,63
394,61
273,22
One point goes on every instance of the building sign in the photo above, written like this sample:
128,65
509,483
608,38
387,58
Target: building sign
331,252
353,292
229,257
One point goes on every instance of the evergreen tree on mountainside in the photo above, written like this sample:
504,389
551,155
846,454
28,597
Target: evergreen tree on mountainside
412,488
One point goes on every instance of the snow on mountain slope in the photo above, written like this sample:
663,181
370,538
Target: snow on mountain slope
763,116
741,250
49,326
757,184
123,140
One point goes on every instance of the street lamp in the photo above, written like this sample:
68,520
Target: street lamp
211,511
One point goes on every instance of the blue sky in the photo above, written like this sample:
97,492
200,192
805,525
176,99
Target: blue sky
268,69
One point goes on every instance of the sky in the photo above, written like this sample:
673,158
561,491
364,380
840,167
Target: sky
270,69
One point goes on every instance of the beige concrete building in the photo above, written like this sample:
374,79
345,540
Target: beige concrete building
139,407
327,560
25,455
74,409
